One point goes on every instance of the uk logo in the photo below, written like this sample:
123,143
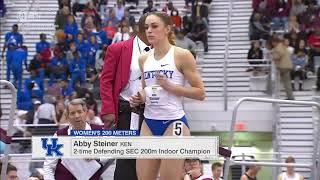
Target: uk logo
52,148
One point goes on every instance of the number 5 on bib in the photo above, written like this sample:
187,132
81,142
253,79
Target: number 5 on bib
178,128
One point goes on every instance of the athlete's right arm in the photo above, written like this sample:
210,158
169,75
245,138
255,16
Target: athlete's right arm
140,98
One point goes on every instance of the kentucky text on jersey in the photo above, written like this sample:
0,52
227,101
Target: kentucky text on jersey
153,74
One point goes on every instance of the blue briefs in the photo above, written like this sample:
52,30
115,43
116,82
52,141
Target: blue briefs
158,127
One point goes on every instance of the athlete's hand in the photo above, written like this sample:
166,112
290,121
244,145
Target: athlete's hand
109,121
163,82
139,98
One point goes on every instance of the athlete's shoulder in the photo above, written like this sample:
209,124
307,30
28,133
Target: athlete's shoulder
181,52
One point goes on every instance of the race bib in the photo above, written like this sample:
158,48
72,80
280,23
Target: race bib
156,96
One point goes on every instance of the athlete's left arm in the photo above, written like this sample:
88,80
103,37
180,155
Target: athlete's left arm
186,64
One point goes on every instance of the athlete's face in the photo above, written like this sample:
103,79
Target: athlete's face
156,30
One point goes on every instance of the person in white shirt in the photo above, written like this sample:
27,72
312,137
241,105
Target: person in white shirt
46,112
216,170
290,174
92,119
123,35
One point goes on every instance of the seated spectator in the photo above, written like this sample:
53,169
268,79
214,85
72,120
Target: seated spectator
61,17
176,19
111,17
200,10
61,41
60,107
297,8
90,11
76,114
79,6
91,102
293,25
72,49
19,56
103,6
77,69
89,27
199,32
34,86
43,45
255,53
293,38
122,35
216,170
314,44
280,15
71,29
65,88
286,43
193,170
119,10
101,36
46,113
93,48
82,46
309,18
299,61
257,29
111,31
187,22
58,67
93,119
128,18
251,172
169,8
184,42
290,173
149,8
188,3
12,172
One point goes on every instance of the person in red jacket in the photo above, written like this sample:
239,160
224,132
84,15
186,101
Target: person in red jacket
120,79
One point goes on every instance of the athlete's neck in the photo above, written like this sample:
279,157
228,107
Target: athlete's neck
161,49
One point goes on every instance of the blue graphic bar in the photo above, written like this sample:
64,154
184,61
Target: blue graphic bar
104,133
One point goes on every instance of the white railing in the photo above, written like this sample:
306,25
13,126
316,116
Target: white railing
9,131
312,166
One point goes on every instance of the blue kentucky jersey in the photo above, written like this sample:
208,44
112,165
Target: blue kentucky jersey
77,65
13,39
58,62
40,46
101,37
83,48
71,29
19,56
